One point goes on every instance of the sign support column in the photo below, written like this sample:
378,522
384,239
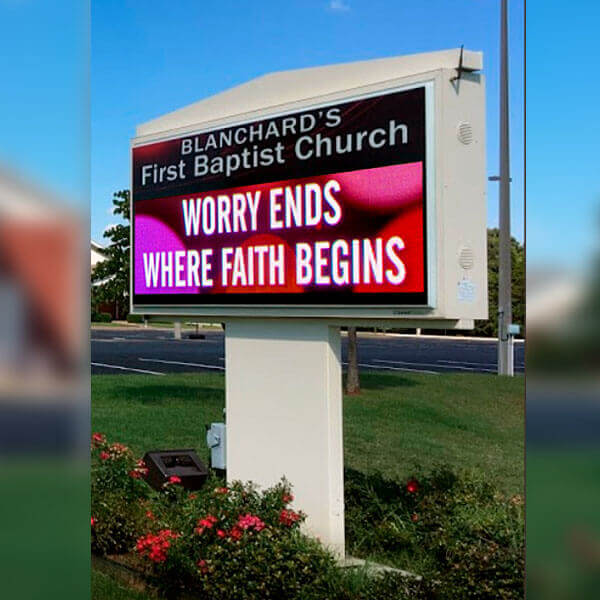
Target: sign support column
284,415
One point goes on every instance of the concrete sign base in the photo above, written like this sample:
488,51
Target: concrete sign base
284,415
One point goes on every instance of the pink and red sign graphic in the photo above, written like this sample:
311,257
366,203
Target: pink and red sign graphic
210,226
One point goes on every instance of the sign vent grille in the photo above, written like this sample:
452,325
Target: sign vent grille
466,259
465,133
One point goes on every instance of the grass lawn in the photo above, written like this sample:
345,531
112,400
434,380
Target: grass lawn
398,424
104,587
563,495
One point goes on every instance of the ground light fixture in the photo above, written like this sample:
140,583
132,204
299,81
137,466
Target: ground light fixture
184,464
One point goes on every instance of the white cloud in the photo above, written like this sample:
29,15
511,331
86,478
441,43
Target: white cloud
338,6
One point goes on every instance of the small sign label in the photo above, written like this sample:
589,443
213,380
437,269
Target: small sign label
466,291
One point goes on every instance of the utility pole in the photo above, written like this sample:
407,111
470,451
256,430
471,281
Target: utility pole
505,339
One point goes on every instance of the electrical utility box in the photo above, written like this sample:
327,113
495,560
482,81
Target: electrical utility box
215,440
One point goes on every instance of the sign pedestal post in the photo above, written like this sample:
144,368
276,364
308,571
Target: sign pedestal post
284,415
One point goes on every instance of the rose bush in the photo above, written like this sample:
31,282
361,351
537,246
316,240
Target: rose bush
118,494
235,542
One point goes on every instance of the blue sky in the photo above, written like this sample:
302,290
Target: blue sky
563,132
44,116
150,57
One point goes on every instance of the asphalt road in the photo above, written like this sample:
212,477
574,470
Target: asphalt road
155,352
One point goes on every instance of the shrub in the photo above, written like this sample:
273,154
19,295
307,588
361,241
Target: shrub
119,497
236,542
232,543
100,317
131,318
456,527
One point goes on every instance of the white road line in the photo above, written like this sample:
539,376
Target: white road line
425,336
464,362
403,362
119,367
121,340
395,368
185,364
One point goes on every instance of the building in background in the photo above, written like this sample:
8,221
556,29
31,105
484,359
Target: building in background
97,254
43,351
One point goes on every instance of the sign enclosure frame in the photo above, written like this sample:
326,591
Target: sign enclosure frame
346,311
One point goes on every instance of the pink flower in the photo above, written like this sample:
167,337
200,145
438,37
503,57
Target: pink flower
104,455
174,479
202,566
250,522
93,521
118,450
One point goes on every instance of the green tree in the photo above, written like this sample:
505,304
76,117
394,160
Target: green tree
489,328
114,271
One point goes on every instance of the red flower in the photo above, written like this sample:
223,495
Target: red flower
174,479
412,486
104,455
221,490
414,517
288,517
98,439
135,474
287,498
193,496
156,546
150,515
206,523
93,521
235,533
221,533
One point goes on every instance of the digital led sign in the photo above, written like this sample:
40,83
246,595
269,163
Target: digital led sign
324,206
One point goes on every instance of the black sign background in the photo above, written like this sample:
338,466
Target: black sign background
407,107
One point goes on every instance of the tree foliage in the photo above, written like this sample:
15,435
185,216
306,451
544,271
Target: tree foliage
114,271
489,328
